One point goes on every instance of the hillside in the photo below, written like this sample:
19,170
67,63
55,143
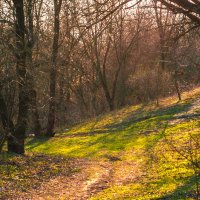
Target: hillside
139,152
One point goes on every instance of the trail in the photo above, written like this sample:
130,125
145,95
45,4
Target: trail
93,177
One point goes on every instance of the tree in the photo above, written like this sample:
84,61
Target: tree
189,8
16,139
167,24
53,70
7,123
125,38
30,45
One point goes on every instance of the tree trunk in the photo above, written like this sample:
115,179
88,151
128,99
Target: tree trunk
7,123
188,8
109,99
33,93
53,71
16,140
177,88
102,78
35,115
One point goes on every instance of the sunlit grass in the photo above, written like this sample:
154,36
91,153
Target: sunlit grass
136,134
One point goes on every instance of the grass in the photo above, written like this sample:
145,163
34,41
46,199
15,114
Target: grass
147,135
108,134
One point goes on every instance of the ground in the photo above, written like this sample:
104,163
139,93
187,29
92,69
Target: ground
139,152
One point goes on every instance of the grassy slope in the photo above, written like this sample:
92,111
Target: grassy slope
136,134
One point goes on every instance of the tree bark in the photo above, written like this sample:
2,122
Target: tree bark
35,114
7,123
53,71
33,93
177,86
16,140
103,81
186,7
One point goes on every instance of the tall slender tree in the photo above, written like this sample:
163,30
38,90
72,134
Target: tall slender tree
16,139
30,45
53,70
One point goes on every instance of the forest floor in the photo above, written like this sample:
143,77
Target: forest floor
139,152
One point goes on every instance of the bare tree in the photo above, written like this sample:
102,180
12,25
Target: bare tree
191,9
53,70
16,139
30,45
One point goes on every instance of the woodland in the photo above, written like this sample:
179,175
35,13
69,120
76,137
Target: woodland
100,99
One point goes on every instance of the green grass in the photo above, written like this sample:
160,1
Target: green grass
109,134
145,135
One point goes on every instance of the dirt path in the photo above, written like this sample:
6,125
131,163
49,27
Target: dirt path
93,177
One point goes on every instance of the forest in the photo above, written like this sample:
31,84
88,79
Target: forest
100,99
